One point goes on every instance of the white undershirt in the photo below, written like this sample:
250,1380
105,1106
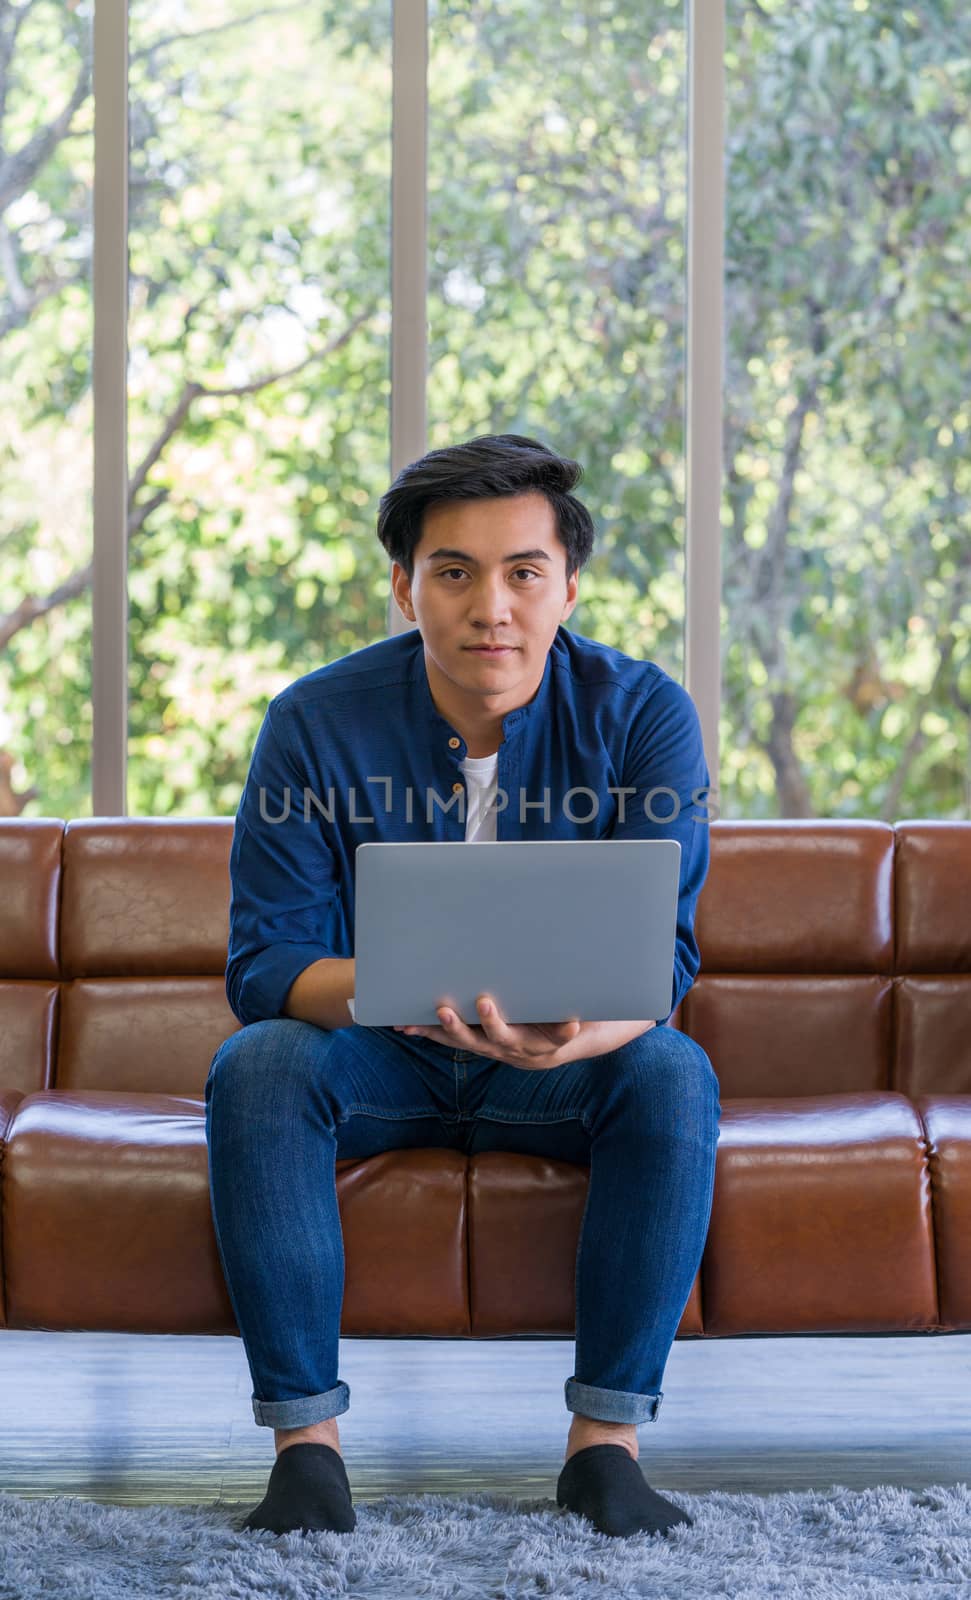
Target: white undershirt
481,777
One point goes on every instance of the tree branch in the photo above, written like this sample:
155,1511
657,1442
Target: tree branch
918,737
216,27
26,301
17,172
11,21
193,390
768,597
34,606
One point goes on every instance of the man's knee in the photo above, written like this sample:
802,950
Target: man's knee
264,1046
666,1058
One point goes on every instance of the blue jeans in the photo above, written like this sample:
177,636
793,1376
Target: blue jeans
286,1099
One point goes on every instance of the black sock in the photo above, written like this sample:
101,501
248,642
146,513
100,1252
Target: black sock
308,1489
605,1484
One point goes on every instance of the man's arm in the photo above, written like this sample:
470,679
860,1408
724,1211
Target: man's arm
320,993
284,907
665,753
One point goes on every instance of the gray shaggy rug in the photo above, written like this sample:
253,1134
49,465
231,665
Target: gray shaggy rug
874,1544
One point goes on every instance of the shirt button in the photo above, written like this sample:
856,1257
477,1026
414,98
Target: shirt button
453,744
456,788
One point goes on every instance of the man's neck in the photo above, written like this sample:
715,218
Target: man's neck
482,744
483,736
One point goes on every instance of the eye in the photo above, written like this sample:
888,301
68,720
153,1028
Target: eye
446,570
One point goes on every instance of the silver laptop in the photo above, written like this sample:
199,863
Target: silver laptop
553,929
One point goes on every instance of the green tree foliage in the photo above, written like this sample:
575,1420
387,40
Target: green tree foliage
259,322
847,590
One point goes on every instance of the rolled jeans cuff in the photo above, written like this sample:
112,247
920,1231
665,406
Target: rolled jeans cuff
611,1405
302,1413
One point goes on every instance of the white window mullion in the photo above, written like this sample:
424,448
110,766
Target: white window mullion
109,287
409,229
705,364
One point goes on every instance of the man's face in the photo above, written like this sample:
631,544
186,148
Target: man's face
488,572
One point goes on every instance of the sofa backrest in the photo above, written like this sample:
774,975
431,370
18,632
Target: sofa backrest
836,956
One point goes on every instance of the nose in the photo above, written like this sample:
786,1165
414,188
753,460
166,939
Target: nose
489,602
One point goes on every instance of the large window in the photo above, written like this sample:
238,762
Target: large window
258,374
46,418
264,414
557,188
847,423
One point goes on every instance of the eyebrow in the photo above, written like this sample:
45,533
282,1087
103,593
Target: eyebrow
461,555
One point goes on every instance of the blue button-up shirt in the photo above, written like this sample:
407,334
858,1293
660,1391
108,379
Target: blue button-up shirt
357,751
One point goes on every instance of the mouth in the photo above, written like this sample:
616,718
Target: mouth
491,650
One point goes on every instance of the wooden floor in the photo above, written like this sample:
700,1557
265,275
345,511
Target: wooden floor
132,1419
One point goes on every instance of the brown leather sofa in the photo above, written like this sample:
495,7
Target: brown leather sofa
834,1001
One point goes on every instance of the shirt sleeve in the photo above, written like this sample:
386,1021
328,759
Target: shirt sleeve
665,754
283,880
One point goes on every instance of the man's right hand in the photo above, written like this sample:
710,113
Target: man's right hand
533,1046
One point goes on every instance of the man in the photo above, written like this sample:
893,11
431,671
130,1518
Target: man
389,743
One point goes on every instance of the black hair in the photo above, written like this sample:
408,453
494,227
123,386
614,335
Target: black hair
492,466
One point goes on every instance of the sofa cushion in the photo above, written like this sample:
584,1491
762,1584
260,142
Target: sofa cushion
947,1125
30,872
822,1219
798,896
142,1035
9,1101
30,875
145,896
108,1224
793,1034
932,1045
932,878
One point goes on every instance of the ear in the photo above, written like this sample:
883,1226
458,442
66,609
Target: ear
569,605
401,589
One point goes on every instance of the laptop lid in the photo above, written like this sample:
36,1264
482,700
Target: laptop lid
553,929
